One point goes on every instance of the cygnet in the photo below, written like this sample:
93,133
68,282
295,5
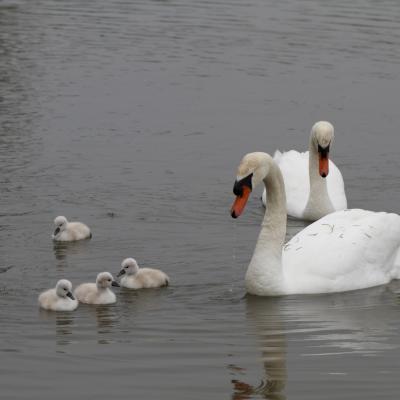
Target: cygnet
99,292
60,298
70,231
134,277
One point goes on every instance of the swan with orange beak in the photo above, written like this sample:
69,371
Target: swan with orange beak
251,173
313,184
345,250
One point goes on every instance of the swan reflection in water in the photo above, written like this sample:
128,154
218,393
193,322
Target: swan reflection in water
106,319
264,318
64,325
64,328
320,327
63,249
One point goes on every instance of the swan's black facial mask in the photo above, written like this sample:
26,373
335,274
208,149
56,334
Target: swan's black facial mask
238,186
242,190
323,151
69,294
57,231
120,273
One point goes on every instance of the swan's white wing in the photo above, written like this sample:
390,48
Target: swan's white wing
335,186
294,168
345,250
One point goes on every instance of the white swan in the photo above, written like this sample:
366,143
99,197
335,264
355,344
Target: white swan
314,185
70,231
134,277
58,299
99,292
345,250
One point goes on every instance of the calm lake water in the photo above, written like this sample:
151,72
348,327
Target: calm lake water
132,116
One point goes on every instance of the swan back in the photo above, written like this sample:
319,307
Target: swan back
345,250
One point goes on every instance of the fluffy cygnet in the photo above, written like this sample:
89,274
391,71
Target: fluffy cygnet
134,277
60,298
70,231
99,292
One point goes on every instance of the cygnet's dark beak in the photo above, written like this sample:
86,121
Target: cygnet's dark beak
57,231
115,283
120,273
70,295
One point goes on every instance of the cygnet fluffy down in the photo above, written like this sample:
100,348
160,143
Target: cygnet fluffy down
99,292
60,298
70,231
134,277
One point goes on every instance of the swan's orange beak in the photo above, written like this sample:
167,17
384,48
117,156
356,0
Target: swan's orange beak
242,190
323,154
240,202
323,166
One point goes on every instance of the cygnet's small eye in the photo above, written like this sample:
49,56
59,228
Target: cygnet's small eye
126,267
109,280
66,289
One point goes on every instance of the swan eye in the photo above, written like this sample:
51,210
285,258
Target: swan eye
238,186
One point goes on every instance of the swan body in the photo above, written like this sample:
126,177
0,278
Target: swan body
70,231
134,277
355,249
59,298
311,191
99,292
345,250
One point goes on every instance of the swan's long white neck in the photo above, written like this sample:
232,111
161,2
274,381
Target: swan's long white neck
319,203
264,274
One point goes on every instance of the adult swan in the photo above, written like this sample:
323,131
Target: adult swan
345,250
314,185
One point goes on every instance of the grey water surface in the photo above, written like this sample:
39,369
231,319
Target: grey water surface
132,116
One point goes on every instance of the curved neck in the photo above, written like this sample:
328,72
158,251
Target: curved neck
264,274
319,203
